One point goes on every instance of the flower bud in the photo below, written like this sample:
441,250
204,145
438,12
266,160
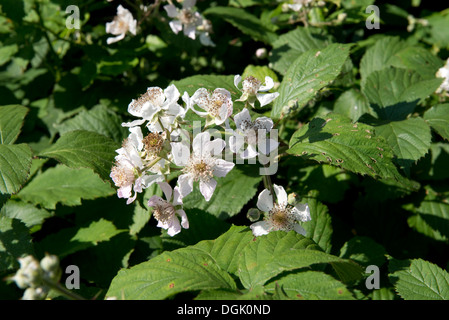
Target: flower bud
38,293
253,214
292,199
29,274
50,266
261,53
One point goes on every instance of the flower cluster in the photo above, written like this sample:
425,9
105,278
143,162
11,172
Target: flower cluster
191,22
185,19
35,276
158,145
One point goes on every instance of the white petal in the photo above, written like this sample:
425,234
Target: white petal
136,137
185,183
115,39
199,143
266,146
302,212
177,200
222,167
133,123
214,147
155,201
125,191
171,10
172,94
175,26
207,188
241,118
236,142
180,153
190,31
184,220
295,7
269,84
174,227
265,201
266,98
133,27
260,228
249,153
237,79
149,179
264,123
299,229
281,195
166,188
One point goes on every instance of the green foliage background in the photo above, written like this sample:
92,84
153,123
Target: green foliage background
365,144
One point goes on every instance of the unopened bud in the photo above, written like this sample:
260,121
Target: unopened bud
253,214
29,274
50,266
38,293
261,53
292,199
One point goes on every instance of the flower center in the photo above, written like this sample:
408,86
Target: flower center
153,96
164,212
122,176
186,16
251,85
281,217
153,143
201,169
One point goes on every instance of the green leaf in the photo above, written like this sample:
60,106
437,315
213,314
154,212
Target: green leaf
15,163
311,285
319,228
432,216
422,280
438,118
291,45
186,269
7,52
15,242
364,251
99,119
310,72
245,22
230,195
353,104
418,59
65,185
409,139
335,140
395,92
29,214
97,231
202,226
279,251
11,121
380,56
70,240
84,149
227,248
